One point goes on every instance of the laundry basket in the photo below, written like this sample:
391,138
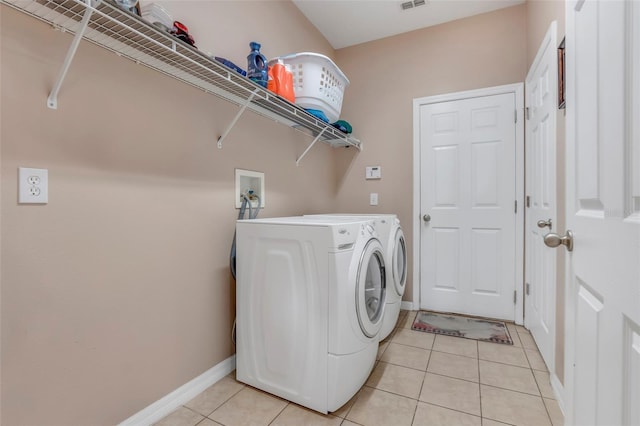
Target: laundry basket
318,83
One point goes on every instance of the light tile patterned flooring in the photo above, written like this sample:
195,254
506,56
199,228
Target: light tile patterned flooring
419,379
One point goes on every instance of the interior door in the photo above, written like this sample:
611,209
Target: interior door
603,211
467,197
540,262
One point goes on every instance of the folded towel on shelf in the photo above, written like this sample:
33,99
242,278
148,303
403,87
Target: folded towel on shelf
318,114
343,126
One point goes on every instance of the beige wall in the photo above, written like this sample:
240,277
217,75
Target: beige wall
386,75
118,290
540,14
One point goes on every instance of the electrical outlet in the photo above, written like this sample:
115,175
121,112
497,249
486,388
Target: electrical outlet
33,186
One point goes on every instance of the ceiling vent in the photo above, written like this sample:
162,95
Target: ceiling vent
411,4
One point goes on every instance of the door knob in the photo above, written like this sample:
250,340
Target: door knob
545,223
426,218
555,240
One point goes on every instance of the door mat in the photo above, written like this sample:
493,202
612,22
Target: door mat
461,326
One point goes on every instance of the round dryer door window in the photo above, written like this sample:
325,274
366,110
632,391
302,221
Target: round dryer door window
399,263
371,288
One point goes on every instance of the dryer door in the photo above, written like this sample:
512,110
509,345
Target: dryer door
399,262
371,288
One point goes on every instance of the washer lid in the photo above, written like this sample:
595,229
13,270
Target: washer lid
371,288
399,261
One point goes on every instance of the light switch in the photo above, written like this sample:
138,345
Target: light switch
373,172
373,199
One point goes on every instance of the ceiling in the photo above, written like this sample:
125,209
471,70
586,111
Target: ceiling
349,22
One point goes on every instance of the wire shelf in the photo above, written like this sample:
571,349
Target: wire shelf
126,34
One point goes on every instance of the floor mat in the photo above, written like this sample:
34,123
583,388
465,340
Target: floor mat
461,326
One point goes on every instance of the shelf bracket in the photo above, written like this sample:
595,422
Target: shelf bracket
310,146
236,118
52,100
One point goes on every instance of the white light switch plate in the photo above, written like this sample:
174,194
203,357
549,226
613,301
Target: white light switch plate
373,199
33,186
373,172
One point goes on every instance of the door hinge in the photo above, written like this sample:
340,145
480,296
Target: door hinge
528,201
515,296
515,115
527,288
515,206
526,112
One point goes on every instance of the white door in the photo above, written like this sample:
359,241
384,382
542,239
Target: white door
603,211
540,262
468,193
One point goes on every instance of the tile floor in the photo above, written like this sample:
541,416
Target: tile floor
419,379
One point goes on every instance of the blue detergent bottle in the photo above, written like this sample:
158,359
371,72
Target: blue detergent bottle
257,65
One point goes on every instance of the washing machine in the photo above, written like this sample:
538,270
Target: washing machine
310,300
395,249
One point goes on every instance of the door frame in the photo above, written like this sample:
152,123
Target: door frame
518,90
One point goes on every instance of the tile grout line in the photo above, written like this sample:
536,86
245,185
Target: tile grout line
533,370
543,403
205,418
426,368
420,401
451,409
193,411
479,387
279,413
226,400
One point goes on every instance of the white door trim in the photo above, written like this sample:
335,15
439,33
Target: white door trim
518,90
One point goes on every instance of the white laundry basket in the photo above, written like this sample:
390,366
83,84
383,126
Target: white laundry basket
318,83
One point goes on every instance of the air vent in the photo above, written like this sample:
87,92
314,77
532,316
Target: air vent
406,5
411,4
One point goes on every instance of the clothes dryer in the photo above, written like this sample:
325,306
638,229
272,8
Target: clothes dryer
395,249
310,300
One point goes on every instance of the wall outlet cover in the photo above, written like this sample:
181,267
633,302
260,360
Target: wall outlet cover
33,186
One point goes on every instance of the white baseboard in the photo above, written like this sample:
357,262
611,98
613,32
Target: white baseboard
558,391
183,394
407,306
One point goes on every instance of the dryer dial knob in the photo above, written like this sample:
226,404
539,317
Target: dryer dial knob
370,229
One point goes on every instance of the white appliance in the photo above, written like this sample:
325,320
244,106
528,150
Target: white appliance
310,299
395,249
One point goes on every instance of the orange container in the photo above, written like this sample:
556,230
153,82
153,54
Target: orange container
286,85
271,82
282,81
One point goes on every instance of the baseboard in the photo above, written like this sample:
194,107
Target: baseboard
558,391
407,306
183,394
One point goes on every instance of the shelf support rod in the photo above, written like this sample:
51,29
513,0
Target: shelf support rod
236,118
310,146
52,100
